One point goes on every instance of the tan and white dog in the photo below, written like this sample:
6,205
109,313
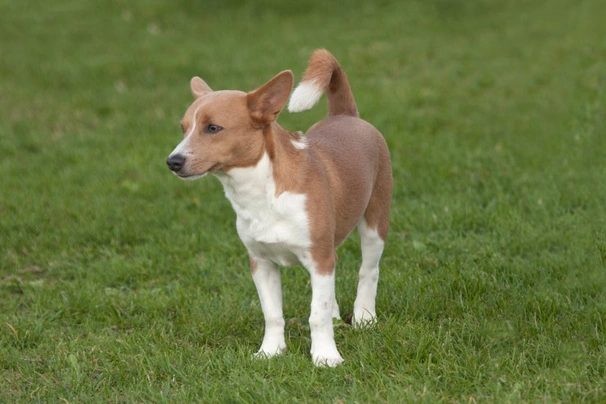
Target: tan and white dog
296,197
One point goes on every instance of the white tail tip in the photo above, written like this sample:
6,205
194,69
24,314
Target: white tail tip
305,96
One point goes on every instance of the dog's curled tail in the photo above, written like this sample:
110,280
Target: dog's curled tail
324,75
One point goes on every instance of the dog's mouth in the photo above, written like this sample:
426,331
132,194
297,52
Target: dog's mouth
190,177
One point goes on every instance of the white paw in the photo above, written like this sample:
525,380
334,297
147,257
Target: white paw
326,354
328,360
364,318
270,351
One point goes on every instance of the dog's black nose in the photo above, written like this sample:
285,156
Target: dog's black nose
175,162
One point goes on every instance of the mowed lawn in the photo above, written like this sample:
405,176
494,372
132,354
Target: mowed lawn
120,283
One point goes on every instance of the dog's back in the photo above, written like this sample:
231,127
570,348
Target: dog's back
351,151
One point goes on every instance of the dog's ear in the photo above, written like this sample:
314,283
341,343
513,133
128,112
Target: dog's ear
266,102
199,87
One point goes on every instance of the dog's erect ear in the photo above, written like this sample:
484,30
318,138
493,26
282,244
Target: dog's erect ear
199,87
266,102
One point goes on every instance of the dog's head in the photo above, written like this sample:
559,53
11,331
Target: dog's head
226,129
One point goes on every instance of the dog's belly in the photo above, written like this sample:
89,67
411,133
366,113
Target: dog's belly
279,233
279,253
281,241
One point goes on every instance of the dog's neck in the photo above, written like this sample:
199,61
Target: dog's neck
274,173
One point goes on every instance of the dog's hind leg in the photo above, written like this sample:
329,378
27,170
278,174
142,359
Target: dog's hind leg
372,248
266,276
373,229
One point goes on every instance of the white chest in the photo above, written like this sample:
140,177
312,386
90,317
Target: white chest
271,227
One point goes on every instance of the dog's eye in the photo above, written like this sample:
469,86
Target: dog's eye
212,128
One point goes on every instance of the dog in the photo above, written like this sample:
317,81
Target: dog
296,197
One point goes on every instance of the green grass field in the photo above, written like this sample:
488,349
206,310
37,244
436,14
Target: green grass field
120,283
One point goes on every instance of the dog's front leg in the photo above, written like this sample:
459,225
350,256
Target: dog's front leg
323,347
266,276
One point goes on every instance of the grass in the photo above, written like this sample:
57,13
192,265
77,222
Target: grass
119,283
